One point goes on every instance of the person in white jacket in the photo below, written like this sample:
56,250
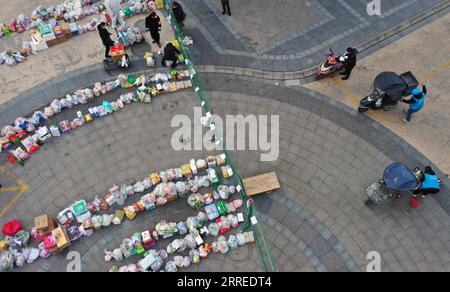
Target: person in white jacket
113,7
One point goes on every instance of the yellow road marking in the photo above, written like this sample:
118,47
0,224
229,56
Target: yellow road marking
22,187
345,90
5,190
435,71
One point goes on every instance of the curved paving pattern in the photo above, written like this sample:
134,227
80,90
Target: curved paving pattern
317,222
324,167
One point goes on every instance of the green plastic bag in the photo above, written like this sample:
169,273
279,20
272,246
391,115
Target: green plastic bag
221,207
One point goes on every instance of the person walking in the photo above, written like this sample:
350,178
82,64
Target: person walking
178,11
153,24
416,102
170,54
105,35
226,7
350,62
113,8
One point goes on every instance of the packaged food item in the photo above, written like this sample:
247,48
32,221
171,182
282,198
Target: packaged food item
186,170
154,177
221,159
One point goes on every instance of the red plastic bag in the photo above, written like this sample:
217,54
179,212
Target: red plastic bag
415,203
11,228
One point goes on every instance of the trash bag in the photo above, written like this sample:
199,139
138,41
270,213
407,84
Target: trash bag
117,254
12,227
157,264
182,228
241,239
213,229
194,256
171,267
190,241
33,255
182,188
192,223
224,192
147,183
139,187
179,261
22,238
233,242
6,261
234,222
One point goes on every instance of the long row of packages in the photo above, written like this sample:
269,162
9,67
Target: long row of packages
27,135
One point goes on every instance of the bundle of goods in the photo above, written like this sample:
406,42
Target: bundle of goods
12,58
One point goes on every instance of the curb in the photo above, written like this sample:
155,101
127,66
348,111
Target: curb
302,74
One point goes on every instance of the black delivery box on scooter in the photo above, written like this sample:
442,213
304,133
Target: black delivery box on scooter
410,80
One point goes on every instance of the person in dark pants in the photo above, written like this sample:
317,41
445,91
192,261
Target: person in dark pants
178,11
350,62
153,24
226,7
105,35
170,54
430,183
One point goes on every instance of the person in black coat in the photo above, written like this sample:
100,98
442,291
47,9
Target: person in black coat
170,54
178,11
105,35
153,24
350,62
226,7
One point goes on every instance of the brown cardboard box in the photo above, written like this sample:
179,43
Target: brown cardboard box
62,239
44,224
66,29
56,41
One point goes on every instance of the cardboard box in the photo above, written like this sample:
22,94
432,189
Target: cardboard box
62,239
54,42
44,224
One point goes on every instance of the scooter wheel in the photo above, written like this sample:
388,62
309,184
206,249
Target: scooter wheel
362,110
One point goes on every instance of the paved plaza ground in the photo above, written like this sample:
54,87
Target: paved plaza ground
329,153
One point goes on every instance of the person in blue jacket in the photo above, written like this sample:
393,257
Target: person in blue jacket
416,102
430,183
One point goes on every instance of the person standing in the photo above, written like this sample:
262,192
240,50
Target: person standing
178,11
350,62
226,7
105,35
416,102
170,54
153,24
113,8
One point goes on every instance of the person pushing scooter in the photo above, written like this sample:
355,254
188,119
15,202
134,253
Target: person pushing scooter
416,102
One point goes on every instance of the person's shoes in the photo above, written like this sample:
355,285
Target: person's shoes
229,14
159,45
424,197
345,78
223,13
405,120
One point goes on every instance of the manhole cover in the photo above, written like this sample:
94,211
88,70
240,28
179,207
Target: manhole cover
241,254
